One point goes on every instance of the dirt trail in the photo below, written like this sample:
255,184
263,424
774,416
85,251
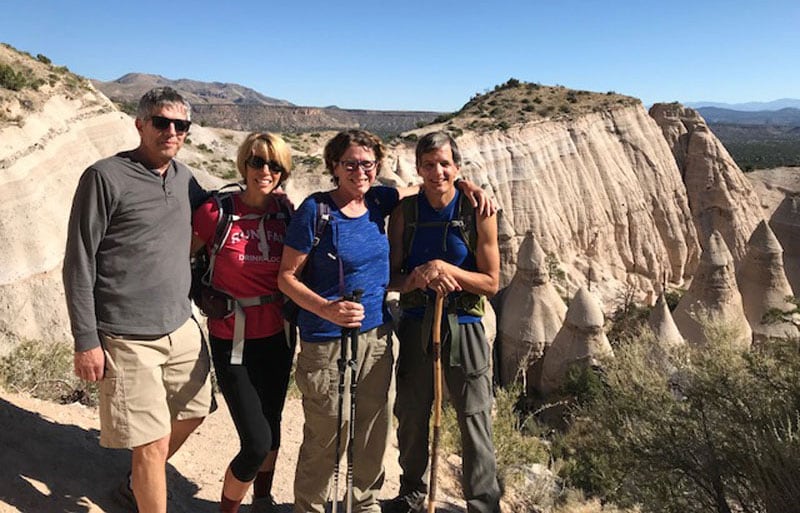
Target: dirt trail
51,461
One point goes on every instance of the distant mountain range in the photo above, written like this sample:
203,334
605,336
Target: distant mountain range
240,108
129,88
783,103
788,116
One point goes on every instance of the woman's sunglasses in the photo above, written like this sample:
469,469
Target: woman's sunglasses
257,162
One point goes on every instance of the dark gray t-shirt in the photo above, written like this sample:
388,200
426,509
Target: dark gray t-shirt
126,265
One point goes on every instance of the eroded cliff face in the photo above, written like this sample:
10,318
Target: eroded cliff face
601,188
40,163
720,196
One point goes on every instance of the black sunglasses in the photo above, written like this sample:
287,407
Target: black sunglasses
257,162
162,123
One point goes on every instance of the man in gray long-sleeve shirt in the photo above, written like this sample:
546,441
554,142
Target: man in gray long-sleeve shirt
126,276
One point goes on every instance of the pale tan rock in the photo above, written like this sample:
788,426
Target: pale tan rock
785,223
720,196
41,162
532,313
713,305
602,186
663,325
764,286
581,342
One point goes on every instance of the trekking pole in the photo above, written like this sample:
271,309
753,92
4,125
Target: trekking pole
436,338
353,364
341,363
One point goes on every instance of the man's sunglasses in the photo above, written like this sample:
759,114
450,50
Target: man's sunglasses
257,162
162,123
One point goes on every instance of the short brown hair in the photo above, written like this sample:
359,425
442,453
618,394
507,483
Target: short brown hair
337,147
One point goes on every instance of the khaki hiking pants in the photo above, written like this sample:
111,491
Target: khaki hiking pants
317,377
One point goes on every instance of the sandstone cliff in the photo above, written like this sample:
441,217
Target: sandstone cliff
720,196
40,163
602,187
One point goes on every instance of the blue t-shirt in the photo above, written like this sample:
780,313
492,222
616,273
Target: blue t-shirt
441,241
361,245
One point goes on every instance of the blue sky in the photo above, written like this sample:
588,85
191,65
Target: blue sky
427,55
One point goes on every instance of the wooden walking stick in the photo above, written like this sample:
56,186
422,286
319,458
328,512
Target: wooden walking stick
436,338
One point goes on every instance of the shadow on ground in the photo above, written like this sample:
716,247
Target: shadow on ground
50,467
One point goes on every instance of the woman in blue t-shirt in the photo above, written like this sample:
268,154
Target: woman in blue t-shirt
352,253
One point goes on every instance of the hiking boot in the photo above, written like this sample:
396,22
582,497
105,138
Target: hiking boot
123,494
263,505
404,504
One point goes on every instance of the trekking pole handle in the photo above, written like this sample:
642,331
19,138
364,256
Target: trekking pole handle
355,296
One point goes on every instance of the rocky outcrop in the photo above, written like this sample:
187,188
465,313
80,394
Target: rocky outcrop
532,313
663,326
580,342
601,187
785,223
720,196
41,161
711,310
764,287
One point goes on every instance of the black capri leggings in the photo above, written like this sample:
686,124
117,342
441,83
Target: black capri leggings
255,393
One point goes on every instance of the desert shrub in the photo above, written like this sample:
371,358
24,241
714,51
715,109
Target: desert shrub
43,58
441,118
11,79
708,429
45,370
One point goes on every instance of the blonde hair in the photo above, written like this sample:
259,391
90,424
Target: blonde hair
273,145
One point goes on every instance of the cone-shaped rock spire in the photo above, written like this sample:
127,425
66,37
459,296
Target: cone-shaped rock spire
713,302
532,314
581,341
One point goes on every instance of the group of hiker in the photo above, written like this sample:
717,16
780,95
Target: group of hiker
325,268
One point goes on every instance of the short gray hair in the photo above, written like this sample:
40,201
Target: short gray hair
433,141
159,97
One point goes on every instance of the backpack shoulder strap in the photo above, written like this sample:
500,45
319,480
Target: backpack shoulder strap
410,209
225,220
323,217
464,219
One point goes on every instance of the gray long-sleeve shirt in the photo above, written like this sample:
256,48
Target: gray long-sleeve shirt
126,265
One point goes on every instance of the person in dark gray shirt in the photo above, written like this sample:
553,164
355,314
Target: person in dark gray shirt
127,277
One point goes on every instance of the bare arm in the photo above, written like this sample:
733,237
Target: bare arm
197,243
347,314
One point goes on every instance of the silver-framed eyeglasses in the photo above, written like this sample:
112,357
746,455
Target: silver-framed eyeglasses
351,166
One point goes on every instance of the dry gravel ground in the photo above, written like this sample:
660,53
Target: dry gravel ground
51,461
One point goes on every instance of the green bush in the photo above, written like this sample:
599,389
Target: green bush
11,79
703,430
